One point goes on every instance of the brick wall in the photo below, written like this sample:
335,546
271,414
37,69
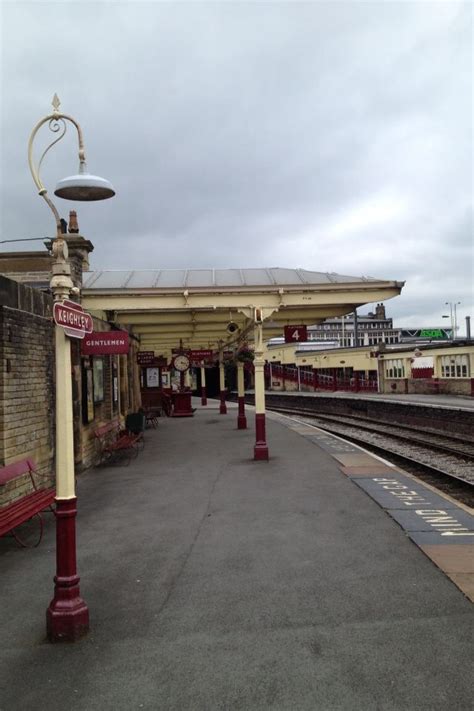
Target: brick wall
27,392
26,382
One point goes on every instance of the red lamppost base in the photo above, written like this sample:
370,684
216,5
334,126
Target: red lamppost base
260,451
203,395
67,620
223,406
67,617
241,418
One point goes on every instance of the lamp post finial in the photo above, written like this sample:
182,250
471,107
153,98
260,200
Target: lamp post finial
56,103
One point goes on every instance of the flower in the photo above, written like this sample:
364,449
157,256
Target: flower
244,355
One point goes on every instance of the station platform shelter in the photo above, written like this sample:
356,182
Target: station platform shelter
177,313
215,581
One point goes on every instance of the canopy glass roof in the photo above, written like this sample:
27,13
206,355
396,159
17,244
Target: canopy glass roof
164,307
202,278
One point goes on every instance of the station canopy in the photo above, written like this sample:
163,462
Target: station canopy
217,308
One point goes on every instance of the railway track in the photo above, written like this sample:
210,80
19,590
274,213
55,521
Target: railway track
444,461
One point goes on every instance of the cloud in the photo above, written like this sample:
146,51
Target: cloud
330,136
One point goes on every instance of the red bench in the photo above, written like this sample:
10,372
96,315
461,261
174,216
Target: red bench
115,443
26,507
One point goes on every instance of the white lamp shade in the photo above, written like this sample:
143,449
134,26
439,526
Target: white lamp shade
84,187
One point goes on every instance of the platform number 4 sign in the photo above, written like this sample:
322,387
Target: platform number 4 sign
296,334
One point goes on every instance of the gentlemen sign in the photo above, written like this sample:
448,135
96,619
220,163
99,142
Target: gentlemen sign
110,343
72,317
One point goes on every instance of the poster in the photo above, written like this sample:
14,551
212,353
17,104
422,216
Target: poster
115,392
98,369
152,377
89,395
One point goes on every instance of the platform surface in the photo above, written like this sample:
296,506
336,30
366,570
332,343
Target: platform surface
217,582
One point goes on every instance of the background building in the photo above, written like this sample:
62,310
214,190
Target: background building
373,328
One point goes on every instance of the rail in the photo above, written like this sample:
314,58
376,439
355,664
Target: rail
309,377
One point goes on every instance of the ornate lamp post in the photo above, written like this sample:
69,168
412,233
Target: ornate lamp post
67,616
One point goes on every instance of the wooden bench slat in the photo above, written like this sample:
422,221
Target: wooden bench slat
25,507
112,440
13,471
28,501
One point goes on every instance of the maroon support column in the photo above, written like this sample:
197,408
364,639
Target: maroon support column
261,447
67,617
222,406
203,385
222,389
241,419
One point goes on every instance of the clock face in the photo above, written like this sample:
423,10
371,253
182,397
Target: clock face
181,362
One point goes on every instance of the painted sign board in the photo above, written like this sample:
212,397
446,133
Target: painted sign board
145,357
440,334
295,334
109,343
72,317
203,354
200,357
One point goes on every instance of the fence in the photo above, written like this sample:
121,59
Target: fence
356,382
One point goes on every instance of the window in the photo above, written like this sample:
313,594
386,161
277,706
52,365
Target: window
394,368
455,366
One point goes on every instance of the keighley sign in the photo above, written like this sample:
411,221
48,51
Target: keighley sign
72,317
107,343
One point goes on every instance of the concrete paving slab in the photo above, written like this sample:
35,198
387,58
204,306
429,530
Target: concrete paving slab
465,582
353,458
377,469
455,559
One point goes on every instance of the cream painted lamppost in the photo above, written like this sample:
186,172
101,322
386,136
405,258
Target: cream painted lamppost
67,617
222,390
203,384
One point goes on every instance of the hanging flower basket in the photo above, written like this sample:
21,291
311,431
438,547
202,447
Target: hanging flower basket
244,355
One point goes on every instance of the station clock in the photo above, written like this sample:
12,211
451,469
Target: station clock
181,362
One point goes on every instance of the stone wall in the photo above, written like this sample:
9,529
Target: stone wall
440,419
428,386
27,387
26,381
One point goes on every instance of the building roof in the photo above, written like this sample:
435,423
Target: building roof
164,307
209,278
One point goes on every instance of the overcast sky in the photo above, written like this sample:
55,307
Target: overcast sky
332,136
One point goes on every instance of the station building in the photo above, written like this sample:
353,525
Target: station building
220,311
446,368
161,311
